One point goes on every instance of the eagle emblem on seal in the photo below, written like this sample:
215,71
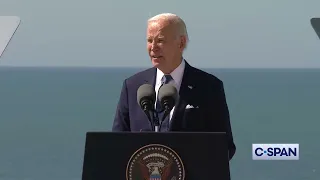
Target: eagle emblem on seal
155,162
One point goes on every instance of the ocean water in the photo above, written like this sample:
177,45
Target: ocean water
45,113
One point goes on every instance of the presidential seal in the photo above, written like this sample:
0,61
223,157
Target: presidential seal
155,162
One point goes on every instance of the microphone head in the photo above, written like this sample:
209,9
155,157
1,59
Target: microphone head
146,95
168,96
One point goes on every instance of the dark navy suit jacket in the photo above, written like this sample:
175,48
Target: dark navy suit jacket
207,93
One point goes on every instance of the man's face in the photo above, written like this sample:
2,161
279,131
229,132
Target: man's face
163,45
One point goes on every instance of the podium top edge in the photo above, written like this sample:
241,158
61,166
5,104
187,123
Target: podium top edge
150,132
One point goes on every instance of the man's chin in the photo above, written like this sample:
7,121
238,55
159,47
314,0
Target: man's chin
156,63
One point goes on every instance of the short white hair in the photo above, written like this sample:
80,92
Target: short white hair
172,19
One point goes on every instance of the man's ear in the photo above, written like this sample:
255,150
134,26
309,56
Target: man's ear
183,42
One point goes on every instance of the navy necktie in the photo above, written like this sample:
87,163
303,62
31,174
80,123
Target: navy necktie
165,124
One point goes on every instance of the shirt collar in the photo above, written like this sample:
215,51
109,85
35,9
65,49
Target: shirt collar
175,74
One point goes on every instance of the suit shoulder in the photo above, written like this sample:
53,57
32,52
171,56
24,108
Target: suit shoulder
207,76
139,75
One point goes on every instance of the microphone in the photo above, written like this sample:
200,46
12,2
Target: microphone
146,98
168,96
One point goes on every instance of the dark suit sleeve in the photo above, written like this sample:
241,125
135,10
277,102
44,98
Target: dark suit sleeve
223,112
121,119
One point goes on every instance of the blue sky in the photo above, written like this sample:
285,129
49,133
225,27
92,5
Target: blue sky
223,34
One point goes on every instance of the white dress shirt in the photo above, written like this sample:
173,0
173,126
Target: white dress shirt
177,76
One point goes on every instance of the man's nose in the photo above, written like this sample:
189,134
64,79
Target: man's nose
154,46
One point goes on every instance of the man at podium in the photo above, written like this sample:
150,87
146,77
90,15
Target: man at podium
201,105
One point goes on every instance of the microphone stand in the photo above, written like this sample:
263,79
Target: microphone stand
155,118
156,121
165,114
152,118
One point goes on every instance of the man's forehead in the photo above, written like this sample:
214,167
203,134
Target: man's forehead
156,32
156,28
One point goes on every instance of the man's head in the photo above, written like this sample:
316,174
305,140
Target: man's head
167,38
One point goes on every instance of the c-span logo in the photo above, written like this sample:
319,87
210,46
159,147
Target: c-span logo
275,151
155,162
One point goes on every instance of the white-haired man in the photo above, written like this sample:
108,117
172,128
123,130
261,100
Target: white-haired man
167,38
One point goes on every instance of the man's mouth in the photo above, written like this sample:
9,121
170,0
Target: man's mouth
156,56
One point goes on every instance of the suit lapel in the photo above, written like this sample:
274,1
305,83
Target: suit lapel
150,77
185,93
